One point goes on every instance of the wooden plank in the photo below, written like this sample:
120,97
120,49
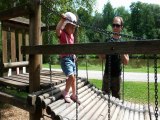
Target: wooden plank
132,47
27,43
10,99
141,115
19,46
99,110
12,83
122,110
51,28
15,12
104,113
152,113
131,116
127,111
4,46
93,110
115,114
13,47
45,79
146,114
16,78
136,114
112,108
16,64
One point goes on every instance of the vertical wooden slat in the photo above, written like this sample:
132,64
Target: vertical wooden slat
141,117
122,111
131,117
19,46
13,47
136,115
4,46
27,43
41,57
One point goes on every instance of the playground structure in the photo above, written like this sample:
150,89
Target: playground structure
30,56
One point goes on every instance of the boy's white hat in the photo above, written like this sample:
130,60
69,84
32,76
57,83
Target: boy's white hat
70,18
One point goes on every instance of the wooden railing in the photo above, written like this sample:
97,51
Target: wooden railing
131,47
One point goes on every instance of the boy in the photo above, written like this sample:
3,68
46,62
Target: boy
64,30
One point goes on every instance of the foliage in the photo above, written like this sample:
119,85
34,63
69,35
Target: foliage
144,20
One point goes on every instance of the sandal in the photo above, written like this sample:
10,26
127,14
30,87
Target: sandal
66,97
74,98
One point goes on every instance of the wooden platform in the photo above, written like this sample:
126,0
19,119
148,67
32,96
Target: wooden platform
94,105
21,81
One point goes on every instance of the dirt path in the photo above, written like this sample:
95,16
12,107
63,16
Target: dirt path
8,112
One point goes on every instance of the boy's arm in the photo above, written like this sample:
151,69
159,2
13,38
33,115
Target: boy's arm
59,25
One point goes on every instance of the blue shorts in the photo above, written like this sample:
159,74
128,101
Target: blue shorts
68,65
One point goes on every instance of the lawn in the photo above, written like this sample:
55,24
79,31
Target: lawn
135,91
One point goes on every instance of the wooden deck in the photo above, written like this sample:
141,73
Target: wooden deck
94,104
21,81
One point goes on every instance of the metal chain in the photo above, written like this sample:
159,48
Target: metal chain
148,88
156,87
109,80
76,90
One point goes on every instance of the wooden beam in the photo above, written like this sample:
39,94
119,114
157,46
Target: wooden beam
16,64
34,60
13,100
12,26
15,12
50,28
13,47
4,47
132,47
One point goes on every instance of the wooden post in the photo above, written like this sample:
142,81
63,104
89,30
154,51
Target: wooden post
34,60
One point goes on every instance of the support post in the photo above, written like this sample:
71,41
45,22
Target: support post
34,60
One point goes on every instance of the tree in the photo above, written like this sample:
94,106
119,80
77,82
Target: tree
120,11
108,14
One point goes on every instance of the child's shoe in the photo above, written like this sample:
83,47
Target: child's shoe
74,98
66,97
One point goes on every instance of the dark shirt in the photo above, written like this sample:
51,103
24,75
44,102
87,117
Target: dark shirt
113,62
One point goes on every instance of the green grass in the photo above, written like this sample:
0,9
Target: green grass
134,91
14,92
